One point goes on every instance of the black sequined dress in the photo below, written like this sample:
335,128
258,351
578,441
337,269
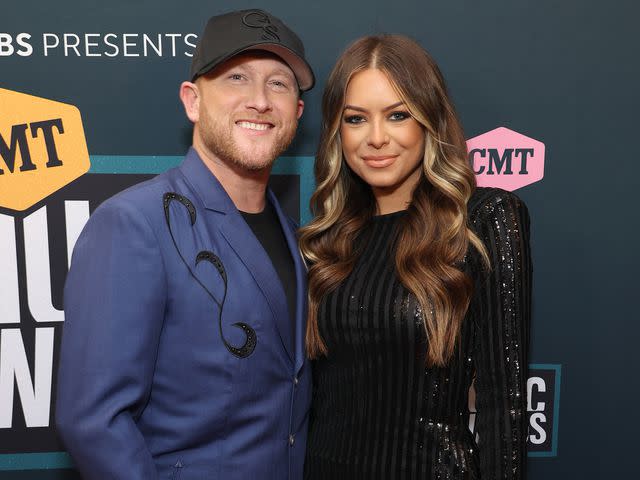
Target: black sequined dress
378,412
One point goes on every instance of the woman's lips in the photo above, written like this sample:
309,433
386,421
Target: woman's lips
379,161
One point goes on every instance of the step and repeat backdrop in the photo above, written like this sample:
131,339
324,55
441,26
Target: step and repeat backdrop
547,94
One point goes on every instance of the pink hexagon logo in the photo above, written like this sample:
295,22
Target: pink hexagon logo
506,159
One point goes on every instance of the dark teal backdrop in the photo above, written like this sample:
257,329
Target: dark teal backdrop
563,72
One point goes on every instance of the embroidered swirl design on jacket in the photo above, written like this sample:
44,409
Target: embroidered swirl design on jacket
210,257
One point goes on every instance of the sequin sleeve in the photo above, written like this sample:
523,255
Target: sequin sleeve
503,301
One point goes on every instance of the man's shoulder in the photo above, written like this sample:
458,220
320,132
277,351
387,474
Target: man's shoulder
148,190
146,193
142,200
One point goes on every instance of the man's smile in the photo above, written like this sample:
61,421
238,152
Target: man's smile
252,125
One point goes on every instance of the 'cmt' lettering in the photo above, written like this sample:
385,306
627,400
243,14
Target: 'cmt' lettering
500,164
18,141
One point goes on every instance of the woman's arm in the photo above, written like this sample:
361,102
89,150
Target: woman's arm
501,359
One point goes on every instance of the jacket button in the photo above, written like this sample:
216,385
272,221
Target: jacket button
295,381
292,439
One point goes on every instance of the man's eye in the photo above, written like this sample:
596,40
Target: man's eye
399,116
279,84
236,76
354,119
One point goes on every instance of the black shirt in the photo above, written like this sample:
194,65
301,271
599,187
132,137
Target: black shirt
267,229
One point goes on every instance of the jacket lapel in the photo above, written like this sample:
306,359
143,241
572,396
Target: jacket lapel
244,243
300,320
242,240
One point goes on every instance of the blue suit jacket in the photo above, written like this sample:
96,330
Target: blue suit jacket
146,386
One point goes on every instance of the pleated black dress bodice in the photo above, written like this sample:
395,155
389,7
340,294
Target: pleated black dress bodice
378,412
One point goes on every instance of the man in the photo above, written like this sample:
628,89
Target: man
183,348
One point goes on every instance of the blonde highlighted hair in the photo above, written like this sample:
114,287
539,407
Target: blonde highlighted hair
434,236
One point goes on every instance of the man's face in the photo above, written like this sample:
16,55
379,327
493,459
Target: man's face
248,110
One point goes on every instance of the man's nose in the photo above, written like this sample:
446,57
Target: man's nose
258,99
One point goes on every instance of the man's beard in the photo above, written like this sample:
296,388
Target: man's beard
219,140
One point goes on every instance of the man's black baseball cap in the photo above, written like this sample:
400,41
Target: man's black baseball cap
227,35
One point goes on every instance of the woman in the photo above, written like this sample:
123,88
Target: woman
419,284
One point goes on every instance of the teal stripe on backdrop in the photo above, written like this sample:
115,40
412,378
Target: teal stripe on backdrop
301,166
35,461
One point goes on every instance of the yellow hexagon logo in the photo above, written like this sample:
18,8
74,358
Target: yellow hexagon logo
42,148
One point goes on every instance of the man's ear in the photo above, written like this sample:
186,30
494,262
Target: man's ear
300,107
190,96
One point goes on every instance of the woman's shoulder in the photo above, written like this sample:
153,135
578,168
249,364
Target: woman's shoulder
485,201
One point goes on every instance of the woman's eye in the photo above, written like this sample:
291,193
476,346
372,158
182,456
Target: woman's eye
399,116
354,119
235,76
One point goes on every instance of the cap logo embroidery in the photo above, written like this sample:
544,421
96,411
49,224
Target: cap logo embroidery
258,19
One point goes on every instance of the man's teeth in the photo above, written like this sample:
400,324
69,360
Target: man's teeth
253,126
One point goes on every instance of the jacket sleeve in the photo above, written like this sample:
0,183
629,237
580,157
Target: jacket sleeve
502,339
114,302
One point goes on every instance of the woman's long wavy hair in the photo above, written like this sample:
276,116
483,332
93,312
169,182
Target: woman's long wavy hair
434,236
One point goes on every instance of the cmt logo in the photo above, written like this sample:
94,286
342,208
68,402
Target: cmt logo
42,148
506,159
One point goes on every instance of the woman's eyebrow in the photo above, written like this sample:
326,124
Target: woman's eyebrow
360,109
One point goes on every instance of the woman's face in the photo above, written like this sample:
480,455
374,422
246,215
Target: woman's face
382,143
